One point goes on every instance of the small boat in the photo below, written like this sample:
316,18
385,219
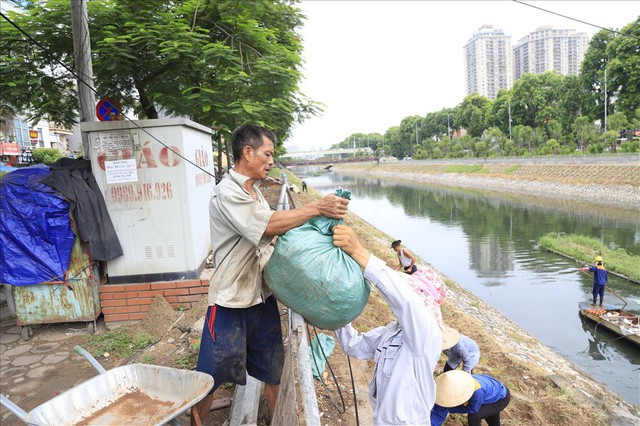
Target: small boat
624,323
329,166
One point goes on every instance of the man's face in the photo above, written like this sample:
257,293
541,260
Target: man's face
261,159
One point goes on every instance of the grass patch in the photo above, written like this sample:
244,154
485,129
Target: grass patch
118,343
464,168
511,169
585,249
188,360
148,359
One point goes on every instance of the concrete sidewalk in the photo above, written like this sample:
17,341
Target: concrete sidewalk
37,370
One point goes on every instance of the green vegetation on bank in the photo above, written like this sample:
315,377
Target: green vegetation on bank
464,168
118,343
585,249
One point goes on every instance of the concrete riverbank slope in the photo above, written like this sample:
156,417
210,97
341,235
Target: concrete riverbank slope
602,180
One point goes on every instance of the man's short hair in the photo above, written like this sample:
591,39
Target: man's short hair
249,134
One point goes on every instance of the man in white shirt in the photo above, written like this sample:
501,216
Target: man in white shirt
242,326
402,390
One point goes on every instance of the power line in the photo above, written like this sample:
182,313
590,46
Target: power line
577,20
73,73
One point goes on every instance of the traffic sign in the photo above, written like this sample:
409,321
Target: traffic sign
108,109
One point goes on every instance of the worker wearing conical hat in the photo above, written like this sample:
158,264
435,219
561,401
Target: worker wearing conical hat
480,396
459,349
599,278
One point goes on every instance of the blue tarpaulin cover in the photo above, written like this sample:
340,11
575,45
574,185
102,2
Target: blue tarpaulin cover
35,233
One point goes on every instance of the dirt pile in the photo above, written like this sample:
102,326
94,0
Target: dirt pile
163,321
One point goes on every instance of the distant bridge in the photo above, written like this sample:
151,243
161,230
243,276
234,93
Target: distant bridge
340,153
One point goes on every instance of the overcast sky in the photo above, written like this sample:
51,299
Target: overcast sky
372,63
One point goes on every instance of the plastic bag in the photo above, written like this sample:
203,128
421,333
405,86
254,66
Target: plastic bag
313,277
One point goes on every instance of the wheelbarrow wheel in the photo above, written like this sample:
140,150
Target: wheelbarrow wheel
91,328
27,332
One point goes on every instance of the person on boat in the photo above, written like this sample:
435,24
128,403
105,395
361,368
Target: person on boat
405,352
480,396
599,279
459,349
406,259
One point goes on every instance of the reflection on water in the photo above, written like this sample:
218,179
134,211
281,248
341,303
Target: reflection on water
487,243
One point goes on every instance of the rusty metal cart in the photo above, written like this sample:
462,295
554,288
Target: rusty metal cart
74,298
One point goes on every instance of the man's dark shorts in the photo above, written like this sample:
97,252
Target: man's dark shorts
235,340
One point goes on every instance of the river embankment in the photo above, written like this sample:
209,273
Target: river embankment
604,181
547,388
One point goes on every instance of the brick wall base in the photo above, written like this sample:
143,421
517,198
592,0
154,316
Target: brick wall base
131,302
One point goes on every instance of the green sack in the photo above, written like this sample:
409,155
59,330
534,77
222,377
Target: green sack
321,347
316,279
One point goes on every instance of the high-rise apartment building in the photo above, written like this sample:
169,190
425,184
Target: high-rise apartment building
487,61
548,49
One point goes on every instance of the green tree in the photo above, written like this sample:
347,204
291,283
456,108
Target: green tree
585,131
495,141
554,128
220,63
592,76
393,145
438,124
46,156
617,122
523,137
623,69
570,101
610,140
498,112
550,147
481,149
409,131
471,114
536,98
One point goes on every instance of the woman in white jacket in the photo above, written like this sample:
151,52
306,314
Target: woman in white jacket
402,390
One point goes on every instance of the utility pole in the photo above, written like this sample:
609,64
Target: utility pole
509,118
354,146
84,68
416,124
605,98
448,127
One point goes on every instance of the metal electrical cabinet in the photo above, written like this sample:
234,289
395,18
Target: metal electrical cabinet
157,200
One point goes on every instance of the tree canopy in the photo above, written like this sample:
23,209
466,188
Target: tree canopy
219,62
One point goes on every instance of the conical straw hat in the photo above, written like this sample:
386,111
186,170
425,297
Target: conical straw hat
454,388
450,336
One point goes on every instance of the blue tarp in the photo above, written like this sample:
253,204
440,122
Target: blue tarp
5,168
35,233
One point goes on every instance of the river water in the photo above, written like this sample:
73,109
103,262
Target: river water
487,243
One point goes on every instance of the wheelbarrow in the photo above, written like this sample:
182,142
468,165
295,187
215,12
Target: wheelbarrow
131,394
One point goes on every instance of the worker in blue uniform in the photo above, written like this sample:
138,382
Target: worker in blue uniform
459,349
480,396
599,279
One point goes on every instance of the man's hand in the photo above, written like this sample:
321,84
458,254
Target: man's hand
333,207
345,238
